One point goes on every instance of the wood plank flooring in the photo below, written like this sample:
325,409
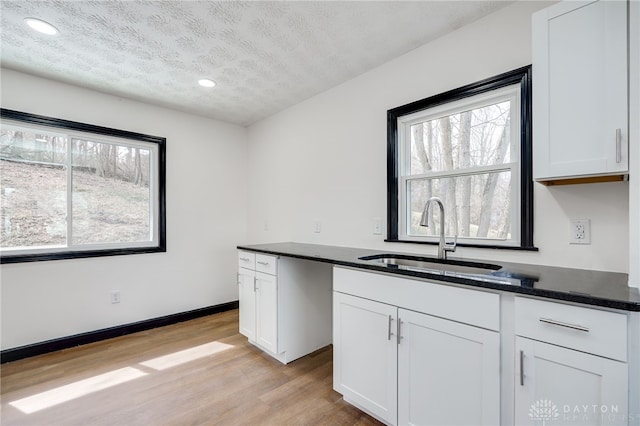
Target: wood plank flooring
199,372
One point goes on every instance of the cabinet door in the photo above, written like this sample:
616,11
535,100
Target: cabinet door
580,89
267,311
567,387
365,354
247,300
448,373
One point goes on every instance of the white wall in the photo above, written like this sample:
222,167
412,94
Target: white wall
325,159
634,147
206,205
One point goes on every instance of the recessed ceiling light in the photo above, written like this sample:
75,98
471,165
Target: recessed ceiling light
205,82
41,26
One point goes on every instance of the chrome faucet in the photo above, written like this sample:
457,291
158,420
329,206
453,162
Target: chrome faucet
443,247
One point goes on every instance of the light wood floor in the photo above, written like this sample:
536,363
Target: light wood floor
200,372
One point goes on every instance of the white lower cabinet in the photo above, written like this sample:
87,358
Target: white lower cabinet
409,368
567,387
365,355
247,301
267,311
415,352
285,304
258,297
448,373
570,365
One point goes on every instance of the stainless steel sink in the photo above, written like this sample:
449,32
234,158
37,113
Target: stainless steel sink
432,265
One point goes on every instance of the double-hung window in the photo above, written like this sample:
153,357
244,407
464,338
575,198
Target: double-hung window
75,190
471,148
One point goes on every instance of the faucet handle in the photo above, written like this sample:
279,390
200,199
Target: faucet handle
451,246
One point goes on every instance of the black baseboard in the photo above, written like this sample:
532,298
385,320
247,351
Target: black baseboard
53,345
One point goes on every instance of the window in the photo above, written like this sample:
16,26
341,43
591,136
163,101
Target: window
75,190
471,147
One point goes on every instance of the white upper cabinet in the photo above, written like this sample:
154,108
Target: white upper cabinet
580,90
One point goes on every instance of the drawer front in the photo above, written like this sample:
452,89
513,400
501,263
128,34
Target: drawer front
267,264
588,330
478,308
246,260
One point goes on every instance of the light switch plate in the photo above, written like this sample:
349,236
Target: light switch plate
377,226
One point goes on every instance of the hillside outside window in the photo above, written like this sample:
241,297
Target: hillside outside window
74,190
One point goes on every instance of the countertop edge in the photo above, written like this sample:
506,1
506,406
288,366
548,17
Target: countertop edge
585,299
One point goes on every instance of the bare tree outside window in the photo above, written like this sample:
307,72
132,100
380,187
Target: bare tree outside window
471,148
461,143
110,189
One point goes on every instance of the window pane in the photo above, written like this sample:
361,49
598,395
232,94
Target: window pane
478,137
110,190
483,206
33,189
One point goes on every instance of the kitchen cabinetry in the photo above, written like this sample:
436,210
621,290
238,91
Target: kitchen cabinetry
402,365
267,311
439,358
571,364
247,295
580,90
285,304
365,354
258,297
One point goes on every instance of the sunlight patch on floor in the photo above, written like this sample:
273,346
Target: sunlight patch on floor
75,390
78,389
181,357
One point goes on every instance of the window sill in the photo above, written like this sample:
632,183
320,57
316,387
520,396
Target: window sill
484,246
40,257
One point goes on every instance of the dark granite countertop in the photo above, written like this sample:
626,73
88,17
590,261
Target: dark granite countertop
598,288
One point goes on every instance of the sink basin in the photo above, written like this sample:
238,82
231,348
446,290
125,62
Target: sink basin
432,265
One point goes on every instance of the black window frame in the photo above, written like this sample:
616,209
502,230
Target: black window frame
161,246
520,76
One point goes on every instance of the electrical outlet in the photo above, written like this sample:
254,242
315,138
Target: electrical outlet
115,296
377,226
580,231
317,226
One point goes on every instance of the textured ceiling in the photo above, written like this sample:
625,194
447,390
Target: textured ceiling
264,56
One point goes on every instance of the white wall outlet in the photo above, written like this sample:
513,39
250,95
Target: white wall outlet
265,225
317,226
115,296
580,231
377,226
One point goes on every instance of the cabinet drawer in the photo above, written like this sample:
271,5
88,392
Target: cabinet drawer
584,329
267,264
246,260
